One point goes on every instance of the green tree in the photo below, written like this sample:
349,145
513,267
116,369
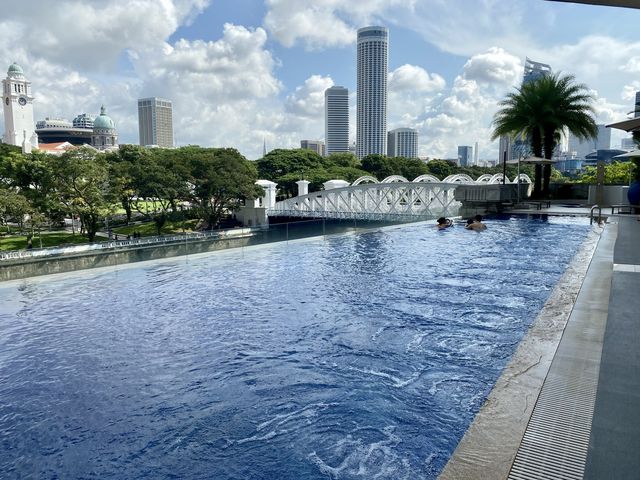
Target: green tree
221,181
442,168
82,184
616,173
379,166
344,159
13,206
539,110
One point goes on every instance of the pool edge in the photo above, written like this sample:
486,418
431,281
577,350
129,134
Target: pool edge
489,446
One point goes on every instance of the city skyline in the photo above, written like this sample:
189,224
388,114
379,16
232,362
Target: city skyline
244,72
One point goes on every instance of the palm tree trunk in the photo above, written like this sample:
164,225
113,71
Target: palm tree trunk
546,178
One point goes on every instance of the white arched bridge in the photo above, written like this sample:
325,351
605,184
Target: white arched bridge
393,199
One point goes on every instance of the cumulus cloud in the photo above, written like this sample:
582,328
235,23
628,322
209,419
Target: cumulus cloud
308,100
414,78
325,23
92,35
496,66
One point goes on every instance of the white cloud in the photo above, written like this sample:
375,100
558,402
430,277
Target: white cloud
308,100
326,23
496,66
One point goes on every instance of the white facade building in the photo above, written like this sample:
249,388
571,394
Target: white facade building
402,142
336,119
155,122
371,135
19,126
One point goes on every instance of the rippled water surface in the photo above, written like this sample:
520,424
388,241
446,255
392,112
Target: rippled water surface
356,357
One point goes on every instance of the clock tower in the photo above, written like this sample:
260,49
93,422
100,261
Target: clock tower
18,109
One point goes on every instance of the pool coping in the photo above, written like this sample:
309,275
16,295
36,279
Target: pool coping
490,444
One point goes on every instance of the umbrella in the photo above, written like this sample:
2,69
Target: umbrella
627,125
538,160
633,153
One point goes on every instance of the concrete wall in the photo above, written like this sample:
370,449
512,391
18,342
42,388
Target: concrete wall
612,195
16,269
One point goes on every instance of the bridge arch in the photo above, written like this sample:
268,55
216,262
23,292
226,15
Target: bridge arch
395,179
524,178
486,178
426,178
364,179
458,178
497,178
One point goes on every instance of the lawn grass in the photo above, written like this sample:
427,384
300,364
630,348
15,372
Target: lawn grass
49,239
148,229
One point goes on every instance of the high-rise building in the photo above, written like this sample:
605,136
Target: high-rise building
476,154
627,144
336,119
582,148
155,122
465,154
534,70
315,145
636,108
402,142
18,109
371,135
519,146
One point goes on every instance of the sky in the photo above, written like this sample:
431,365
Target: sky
244,72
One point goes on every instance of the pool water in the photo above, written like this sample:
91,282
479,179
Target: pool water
352,357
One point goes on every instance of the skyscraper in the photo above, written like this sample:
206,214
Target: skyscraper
636,108
336,119
402,142
582,148
465,154
534,70
520,146
155,122
371,136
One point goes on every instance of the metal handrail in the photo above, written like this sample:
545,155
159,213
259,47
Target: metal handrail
599,214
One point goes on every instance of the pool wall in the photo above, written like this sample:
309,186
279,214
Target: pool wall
491,442
31,267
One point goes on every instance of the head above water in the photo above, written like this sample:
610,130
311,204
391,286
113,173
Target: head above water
478,218
470,221
441,221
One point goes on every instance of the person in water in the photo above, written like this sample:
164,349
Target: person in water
443,223
475,223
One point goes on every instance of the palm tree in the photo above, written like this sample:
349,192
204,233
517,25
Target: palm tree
539,111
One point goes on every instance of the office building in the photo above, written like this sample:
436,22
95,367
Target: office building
534,70
582,148
155,122
371,135
336,119
520,146
465,154
402,142
18,109
315,145
627,144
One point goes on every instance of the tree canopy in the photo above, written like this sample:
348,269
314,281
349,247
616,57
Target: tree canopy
539,110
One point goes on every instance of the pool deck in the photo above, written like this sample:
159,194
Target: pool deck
567,404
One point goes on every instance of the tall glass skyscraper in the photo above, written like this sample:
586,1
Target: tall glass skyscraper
155,122
336,119
371,136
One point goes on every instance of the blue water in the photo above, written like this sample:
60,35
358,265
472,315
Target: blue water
356,357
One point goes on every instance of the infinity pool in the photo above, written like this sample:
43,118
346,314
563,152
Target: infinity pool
356,357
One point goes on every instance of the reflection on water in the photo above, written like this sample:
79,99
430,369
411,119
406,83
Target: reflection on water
362,356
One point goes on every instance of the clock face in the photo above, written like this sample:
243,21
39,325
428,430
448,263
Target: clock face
22,101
